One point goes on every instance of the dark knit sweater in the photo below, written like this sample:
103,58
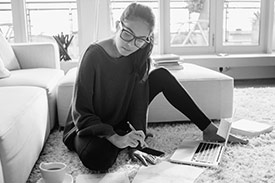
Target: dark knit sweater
107,93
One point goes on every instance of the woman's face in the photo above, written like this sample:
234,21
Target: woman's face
131,35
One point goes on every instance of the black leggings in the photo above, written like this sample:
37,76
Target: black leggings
99,154
161,80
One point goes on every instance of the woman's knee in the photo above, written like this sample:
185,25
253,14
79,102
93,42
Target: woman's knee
98,162
97,154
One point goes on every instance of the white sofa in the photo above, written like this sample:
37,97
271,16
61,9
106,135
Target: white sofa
27,105
211,90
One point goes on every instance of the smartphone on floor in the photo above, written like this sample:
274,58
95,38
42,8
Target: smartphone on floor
153,152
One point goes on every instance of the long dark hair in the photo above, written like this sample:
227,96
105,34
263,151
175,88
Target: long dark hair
141,58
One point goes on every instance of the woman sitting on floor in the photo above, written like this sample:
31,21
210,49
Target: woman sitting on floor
114,86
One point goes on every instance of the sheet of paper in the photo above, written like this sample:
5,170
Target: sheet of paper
168,172
119,177
224,128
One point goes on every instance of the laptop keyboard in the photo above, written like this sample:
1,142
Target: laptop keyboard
207,153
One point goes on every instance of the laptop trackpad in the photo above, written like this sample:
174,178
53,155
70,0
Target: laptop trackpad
184,152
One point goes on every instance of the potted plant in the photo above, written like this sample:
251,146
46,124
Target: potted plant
195,6
64,42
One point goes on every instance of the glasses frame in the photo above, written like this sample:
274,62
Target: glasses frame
135,38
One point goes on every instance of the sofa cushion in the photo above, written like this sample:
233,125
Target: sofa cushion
4,72
42,77
9,59
14,103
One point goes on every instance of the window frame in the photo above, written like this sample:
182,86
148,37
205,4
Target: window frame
215,32
265,27
187,50
86,30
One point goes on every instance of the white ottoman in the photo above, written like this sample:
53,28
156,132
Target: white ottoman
64,95
211,90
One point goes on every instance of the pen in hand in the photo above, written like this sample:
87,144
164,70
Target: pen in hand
143,144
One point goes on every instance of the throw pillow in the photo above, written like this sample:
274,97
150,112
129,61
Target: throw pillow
8,57
3,71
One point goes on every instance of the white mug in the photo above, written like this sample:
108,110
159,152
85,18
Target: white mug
53,172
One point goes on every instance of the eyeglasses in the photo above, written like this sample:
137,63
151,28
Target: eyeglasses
128,37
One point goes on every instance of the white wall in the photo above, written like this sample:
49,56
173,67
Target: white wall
252,66
249,72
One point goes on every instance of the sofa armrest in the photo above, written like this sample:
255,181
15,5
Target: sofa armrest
37,55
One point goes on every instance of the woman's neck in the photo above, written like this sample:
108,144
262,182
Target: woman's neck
110,47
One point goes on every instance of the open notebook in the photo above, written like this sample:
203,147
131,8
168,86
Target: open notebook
203,153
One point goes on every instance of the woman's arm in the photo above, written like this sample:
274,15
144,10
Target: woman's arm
137,113
83,112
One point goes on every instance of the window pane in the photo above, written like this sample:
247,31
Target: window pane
117,7
6,26
241,22
48,18
189,22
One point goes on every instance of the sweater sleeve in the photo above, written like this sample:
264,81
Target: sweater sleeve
83,112
137,113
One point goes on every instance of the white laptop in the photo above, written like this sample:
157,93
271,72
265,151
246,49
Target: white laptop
202,153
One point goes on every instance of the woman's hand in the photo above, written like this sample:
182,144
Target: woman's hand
143,157
132,139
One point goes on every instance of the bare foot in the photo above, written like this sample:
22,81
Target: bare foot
210,134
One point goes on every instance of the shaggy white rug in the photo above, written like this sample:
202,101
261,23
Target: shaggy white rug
255,162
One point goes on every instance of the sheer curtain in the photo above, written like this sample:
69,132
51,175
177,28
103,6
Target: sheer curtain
103,25
93,20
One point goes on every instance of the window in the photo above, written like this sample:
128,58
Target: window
189,27
241,20
217,26
189,23
6,23
46,19
184,27
243,27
